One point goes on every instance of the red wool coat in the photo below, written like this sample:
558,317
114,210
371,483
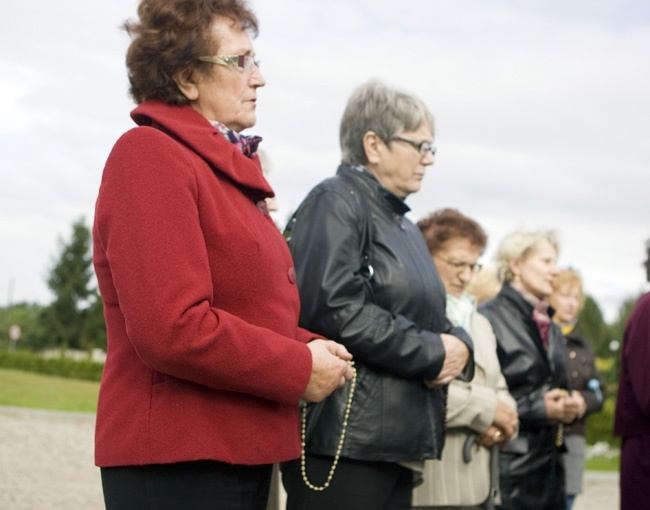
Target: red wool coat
205,358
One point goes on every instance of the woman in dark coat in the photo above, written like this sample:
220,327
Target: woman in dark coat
588,387
366,278
632,420
531,352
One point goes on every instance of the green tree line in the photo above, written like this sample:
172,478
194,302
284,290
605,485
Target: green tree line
74,319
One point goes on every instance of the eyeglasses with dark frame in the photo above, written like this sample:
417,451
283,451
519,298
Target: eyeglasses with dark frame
246,62
461,266
422,147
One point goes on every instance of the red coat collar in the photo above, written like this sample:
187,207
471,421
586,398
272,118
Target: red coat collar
194,130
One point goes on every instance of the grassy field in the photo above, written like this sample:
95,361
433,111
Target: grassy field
602,464
26,389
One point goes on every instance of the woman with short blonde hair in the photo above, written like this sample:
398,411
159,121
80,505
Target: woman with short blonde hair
568,300
518,245
530,348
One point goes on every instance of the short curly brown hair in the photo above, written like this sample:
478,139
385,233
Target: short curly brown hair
445,224
169,36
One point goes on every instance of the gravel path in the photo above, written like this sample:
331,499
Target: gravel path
601,492
46,463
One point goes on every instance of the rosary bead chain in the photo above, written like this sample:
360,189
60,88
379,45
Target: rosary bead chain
303,428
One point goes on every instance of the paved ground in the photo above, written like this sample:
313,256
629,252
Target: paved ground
46,463
601,492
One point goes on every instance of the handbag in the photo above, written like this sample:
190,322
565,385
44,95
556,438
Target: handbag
490,502
494,478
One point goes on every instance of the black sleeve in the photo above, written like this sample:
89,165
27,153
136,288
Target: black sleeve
326,243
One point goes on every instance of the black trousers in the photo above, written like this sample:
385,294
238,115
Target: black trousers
200,485
356,485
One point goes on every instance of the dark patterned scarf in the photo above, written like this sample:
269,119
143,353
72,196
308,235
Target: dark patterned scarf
540,315
247,144
543,320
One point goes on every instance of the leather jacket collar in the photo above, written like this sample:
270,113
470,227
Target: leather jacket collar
392,201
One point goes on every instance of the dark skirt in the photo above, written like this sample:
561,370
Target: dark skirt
199,485
356,485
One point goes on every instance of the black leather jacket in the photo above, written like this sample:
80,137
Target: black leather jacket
390,323
532,476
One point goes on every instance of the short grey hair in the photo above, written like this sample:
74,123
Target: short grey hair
384,110
517,246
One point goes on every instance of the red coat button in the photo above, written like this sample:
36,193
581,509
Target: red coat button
292,275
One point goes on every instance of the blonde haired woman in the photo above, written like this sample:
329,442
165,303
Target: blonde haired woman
530,348
568,301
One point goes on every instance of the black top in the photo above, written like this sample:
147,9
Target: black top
584,377
532,475
391,323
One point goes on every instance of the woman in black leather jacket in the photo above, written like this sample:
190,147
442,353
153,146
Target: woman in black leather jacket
366,278
531,352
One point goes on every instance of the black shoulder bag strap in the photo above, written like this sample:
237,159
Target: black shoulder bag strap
365,268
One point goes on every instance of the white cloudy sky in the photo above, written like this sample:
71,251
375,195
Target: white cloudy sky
542,114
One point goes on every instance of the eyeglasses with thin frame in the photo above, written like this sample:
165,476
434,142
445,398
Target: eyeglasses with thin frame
423,148
461,266
246,62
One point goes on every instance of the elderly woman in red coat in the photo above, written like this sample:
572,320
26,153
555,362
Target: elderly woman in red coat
206,364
